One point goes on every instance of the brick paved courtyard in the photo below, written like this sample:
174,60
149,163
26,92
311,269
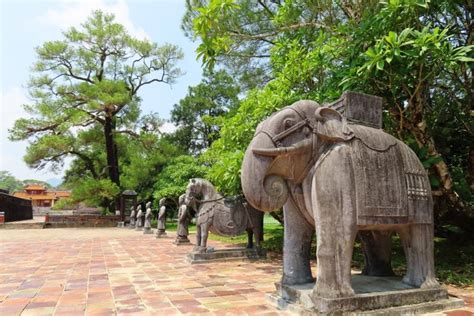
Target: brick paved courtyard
108,271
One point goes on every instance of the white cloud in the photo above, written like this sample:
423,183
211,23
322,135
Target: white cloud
74,12
168,127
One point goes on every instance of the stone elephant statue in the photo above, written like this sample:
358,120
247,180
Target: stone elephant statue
339,178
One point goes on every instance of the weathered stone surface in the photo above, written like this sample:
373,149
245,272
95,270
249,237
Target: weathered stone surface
161,229
360,108
375,294
223,216
182,241
226,255
147,227
341,174
133,219
184,217
139,220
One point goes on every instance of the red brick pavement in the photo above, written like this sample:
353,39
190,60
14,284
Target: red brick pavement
117,271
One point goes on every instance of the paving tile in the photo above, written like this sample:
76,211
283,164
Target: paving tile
113,271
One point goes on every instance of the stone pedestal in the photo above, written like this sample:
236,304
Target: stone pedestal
160,233
147,230
374,296
138,228
181,241
131,226
121,224
226,255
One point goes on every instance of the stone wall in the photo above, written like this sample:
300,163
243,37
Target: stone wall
57,221
15,209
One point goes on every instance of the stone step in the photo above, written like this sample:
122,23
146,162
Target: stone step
226,255
16,225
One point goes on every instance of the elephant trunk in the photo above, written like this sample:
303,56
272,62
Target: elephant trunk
264,192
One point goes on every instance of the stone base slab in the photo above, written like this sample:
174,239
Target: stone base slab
182,242
374,296
138,228
161,234
148,231
226,255
120,224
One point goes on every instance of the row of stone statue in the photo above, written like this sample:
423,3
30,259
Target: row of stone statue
224,216
140,221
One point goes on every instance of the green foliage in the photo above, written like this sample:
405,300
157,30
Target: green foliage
195,115
64,204
416,54
142,163
174,178
9,182
95,192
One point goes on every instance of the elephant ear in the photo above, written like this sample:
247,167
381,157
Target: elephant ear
331,125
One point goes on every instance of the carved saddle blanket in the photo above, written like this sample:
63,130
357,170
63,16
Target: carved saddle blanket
391,184
228,217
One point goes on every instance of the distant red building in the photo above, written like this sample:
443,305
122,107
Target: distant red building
40,195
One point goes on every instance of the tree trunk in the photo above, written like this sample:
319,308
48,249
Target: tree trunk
441,168
111,152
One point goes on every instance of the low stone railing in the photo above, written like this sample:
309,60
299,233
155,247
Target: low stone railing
57,221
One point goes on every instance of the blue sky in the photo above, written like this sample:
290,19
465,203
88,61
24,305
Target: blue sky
27,24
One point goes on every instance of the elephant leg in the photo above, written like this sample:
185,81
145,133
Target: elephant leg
296,246
334,207
377,249
418,245
249,238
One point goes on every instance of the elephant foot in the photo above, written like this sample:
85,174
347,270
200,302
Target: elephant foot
327,291
347,290
199,249
430,283
286,280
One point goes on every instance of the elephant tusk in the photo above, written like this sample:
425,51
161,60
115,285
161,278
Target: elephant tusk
273,152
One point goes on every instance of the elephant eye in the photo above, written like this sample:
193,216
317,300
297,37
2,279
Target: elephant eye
288,123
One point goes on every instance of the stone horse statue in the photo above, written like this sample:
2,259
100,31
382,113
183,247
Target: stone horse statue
222,216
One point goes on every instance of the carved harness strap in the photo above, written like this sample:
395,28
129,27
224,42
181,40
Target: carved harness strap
276,139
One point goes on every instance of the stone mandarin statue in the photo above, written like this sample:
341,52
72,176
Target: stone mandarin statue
184,217
132,217
334,176
147,227
161,219
139,222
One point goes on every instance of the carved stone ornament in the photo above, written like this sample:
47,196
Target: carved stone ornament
222,216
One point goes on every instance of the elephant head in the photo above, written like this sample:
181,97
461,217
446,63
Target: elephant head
284,148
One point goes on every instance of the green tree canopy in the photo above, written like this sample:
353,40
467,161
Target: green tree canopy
195,114
174,178
415,54
85,92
